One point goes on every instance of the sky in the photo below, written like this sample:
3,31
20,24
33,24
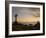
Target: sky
26,14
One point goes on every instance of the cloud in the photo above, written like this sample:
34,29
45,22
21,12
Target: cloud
24,12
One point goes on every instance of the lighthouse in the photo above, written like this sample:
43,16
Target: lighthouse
16,18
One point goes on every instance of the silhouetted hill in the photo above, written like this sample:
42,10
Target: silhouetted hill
37,26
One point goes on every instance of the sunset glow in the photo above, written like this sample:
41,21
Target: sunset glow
27,19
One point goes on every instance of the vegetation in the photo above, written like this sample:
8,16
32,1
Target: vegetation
18,26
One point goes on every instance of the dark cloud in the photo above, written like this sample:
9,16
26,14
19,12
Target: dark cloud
22,11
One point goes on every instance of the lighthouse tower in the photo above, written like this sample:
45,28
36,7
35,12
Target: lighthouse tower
16,18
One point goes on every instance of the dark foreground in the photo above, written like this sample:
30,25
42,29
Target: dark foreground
21,27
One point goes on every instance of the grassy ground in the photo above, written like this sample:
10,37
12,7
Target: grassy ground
18,26
21,27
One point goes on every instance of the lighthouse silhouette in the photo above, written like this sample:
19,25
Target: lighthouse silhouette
16,18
